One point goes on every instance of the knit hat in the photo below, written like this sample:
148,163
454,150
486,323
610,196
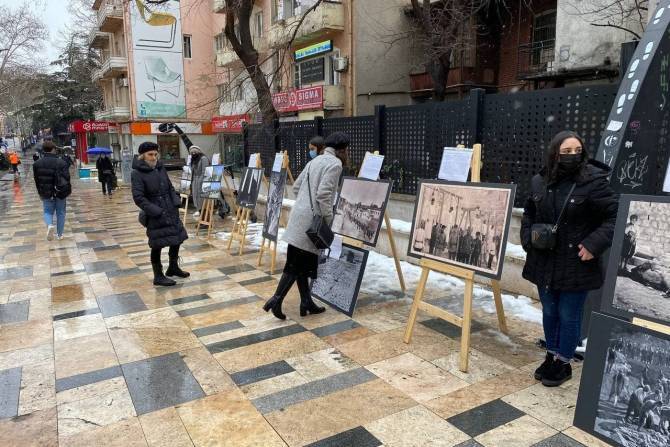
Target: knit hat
147,146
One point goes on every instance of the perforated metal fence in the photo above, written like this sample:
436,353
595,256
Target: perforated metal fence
360,130
260,138
295,138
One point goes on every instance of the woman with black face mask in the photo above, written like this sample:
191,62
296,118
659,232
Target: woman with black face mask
568,223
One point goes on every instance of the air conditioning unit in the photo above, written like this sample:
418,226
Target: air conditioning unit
124,82
340,64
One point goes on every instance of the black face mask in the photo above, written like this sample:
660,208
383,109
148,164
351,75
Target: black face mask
569,163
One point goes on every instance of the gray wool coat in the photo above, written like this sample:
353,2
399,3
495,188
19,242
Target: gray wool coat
198,174
324,176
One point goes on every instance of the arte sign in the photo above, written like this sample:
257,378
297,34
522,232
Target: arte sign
302,99
313,50
88,126
230,123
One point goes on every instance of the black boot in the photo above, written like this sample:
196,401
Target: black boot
306,303
159,278
274,303
544,367
558,373
174,270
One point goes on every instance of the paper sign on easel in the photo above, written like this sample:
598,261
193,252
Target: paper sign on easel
253,160
371,167
216,159
455,164
279,161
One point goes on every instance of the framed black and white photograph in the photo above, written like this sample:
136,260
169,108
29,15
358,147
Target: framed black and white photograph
339,280
462,224
360,208
211,183
247,195
623,395
638,272
185,181
273,207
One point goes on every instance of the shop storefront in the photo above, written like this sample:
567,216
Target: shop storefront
87,134
231,143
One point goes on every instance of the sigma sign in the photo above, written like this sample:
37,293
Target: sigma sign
301,99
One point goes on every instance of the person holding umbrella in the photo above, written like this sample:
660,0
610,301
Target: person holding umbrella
105,173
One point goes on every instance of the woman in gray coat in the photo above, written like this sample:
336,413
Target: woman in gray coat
320,178
199,162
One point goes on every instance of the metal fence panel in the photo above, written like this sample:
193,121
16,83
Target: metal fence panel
295,138
260,138
361,133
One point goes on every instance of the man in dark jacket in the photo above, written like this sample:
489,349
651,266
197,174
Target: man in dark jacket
105,173
154,194
52,179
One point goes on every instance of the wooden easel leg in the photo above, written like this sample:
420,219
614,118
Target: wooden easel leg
500,310
210,219
418,296
273,262
245,222
394,251
235,225
465,328
260,254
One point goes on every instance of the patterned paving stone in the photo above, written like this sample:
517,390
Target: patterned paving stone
10,385
260,337
121,304
358,437
14,312
217,328
217,306
485,417
89,378
261,373
335,328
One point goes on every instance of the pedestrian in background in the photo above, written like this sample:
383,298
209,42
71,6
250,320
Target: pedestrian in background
576,191
318,182
154,194
316,146
105,173
52,180
15,162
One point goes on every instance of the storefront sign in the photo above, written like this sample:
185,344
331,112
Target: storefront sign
125,128
113,128
229,124
88,126
302,99
187,128
312,70
313,50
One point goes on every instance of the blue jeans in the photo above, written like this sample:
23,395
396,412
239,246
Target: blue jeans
57,206
562,320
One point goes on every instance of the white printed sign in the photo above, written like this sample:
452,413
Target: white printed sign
455,164
279,161
371,167
253,160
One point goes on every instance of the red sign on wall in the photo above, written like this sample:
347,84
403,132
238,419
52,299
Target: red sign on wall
229,124
88,126
301,99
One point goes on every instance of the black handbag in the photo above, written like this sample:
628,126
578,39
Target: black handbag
543,235
319,231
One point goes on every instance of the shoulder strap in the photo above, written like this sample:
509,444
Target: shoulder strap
565,204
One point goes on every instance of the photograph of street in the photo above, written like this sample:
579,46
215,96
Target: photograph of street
251,185
360,209
339,280
462,224
273,207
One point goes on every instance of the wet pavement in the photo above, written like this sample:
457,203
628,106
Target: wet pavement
92,354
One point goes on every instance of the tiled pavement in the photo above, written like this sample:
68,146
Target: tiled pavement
91,354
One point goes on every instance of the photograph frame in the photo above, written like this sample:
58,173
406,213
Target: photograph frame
612,269
283,174
250,204
357,286
497,274
389,184
588,405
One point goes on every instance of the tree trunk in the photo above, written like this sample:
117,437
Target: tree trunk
439,72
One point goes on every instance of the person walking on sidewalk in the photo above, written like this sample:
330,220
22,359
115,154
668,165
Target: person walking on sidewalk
572,200
158,201
105,173
52,180
319,180
15,161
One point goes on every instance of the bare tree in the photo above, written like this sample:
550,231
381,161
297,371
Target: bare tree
441,33
627,15
22,36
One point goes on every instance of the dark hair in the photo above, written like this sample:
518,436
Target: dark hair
337,140
48,146
555,149
147,146
318,141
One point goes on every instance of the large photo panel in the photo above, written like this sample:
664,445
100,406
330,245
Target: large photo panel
638,272
360,209
623,395
247,195
462,224
273,206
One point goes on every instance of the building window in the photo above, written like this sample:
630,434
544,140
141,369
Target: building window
220,42
258,24
544,36
317,70
187,46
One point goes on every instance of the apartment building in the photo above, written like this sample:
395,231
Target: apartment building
157,65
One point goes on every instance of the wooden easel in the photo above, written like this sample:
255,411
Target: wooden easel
206,217
658,327
242,216
428,265
184,200
273,247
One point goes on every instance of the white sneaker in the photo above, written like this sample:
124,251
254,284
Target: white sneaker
60,238
50,232
196,214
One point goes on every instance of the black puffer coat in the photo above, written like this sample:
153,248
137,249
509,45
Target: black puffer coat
44,171
154,194
589,219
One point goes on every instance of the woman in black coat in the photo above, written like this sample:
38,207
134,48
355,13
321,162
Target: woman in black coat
566,273
154,194
105,173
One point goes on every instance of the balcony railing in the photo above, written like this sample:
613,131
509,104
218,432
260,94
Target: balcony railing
111,67
110,15
98,39
421,83
535,58
113,113
227,56
328,16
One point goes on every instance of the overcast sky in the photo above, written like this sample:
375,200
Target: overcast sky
55,16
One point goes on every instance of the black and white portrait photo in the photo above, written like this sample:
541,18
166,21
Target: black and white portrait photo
251,186
339,280
273,206
638,275
625,390
360,209
462,224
